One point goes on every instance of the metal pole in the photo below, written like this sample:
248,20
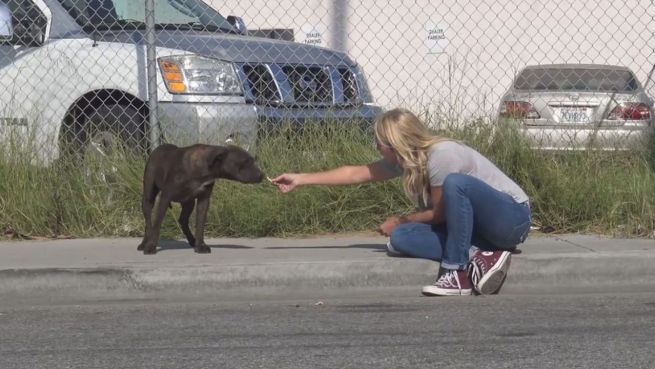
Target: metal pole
339,26
152,74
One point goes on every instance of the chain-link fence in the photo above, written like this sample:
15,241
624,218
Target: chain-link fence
83,75
89,79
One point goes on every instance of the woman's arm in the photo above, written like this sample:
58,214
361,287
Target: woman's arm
433,215
347,174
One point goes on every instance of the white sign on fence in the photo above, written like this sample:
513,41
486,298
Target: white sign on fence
435,37
312,34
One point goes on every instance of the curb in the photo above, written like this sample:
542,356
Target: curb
546,273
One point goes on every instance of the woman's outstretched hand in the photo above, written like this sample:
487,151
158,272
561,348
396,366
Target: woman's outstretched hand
286,182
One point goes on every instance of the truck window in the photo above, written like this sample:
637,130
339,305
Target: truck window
117,14
28,20
164,11
90,11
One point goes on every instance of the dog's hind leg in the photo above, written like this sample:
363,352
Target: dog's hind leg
149,196
153,238
185,213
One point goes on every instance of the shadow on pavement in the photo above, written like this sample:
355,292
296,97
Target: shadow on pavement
178,245
372,246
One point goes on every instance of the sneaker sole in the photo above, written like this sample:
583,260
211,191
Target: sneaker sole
436,291
391,251
493,280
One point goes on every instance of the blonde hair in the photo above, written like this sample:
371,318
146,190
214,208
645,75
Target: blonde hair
410,139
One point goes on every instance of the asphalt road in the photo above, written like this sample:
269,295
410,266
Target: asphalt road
383,329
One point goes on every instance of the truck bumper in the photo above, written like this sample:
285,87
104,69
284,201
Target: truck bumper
184,123
216,124
274,115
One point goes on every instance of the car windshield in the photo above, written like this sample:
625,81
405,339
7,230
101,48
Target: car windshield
130,14
576,79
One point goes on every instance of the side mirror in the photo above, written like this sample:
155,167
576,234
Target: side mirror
6,29
238,24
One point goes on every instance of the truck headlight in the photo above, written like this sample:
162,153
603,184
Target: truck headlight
190,74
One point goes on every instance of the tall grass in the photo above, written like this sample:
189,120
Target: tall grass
610,193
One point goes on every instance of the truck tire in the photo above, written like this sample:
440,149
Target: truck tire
110,132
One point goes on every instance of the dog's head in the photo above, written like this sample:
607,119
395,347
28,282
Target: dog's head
234,163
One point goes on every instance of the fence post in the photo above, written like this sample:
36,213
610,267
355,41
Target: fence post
339,27
153,122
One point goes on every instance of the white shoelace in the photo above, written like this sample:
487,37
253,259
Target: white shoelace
448,279
479,264
476,273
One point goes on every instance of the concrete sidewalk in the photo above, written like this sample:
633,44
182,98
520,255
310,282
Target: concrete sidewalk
265,266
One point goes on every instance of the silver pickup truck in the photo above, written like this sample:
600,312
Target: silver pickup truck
74,77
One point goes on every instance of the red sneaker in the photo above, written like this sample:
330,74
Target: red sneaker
488,270
449,283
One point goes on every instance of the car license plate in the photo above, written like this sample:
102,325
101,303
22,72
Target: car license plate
574,115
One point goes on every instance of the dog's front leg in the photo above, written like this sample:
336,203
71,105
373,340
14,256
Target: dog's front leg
201,218
151,245
187,209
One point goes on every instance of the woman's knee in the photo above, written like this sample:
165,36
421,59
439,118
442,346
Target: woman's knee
416,240
403,236
454,182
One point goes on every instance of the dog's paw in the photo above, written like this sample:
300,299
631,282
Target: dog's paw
149,249
202,249
141,246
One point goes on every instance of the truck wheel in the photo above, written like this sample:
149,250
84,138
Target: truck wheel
110,134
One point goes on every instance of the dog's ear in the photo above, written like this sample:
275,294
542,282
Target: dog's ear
217,156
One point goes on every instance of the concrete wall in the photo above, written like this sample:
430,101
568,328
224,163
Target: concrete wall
458,57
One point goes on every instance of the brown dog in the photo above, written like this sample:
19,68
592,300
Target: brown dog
184,174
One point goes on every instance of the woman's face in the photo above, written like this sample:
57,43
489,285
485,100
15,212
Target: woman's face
386,151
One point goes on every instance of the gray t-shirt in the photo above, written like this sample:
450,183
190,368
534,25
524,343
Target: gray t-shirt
449,157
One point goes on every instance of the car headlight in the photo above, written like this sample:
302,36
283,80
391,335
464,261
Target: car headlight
190,74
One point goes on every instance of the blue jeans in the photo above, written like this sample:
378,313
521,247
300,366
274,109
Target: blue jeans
475,214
